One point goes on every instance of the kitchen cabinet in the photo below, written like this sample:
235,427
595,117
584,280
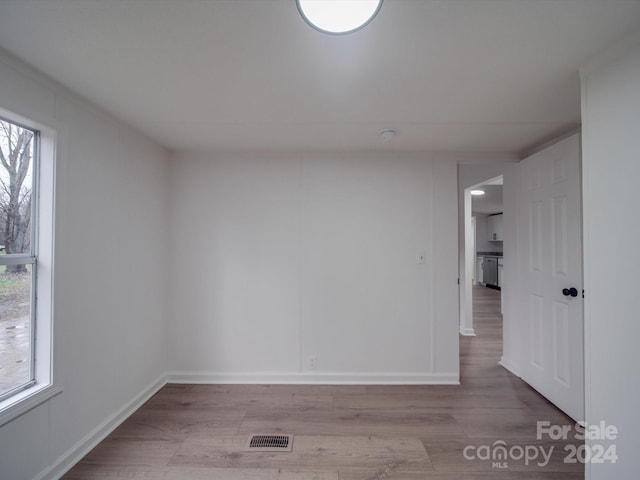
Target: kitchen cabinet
494,228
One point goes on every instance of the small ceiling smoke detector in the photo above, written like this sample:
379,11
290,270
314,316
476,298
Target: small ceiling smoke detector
387,135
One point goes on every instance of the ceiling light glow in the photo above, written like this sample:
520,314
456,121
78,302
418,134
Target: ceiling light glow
338,16
477,192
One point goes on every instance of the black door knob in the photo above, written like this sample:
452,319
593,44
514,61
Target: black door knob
570,292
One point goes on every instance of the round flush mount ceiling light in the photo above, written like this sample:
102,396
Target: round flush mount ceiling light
477,192
338,17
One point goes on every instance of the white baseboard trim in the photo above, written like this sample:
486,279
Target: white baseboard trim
509,365
72,456
314,378
467,332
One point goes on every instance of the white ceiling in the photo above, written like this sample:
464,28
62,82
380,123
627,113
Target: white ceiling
449,75
489,203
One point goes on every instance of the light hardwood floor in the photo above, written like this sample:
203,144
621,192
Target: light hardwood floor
198,432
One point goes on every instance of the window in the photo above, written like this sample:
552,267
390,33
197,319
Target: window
26,254
18,266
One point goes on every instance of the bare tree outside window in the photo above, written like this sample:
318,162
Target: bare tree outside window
16,257
16,152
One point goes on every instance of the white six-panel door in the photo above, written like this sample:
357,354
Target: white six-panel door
550,263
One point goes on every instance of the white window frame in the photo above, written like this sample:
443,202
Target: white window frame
42,388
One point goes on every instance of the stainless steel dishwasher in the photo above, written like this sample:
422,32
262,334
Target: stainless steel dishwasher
490,271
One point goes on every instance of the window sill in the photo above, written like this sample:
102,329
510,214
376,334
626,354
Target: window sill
29,399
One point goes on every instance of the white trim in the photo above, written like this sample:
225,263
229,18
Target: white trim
18,259
586,245
46,131
22,402
314,378
72,456
467,332
509,365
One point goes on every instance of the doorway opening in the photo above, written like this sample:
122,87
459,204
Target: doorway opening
542,328
483,252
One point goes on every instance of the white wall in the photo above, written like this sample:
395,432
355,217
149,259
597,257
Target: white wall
110,270
282,258
611,171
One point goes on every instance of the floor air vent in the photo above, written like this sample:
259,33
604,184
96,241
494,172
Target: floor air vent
270,443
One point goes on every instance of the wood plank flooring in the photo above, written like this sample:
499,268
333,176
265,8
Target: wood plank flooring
198,432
